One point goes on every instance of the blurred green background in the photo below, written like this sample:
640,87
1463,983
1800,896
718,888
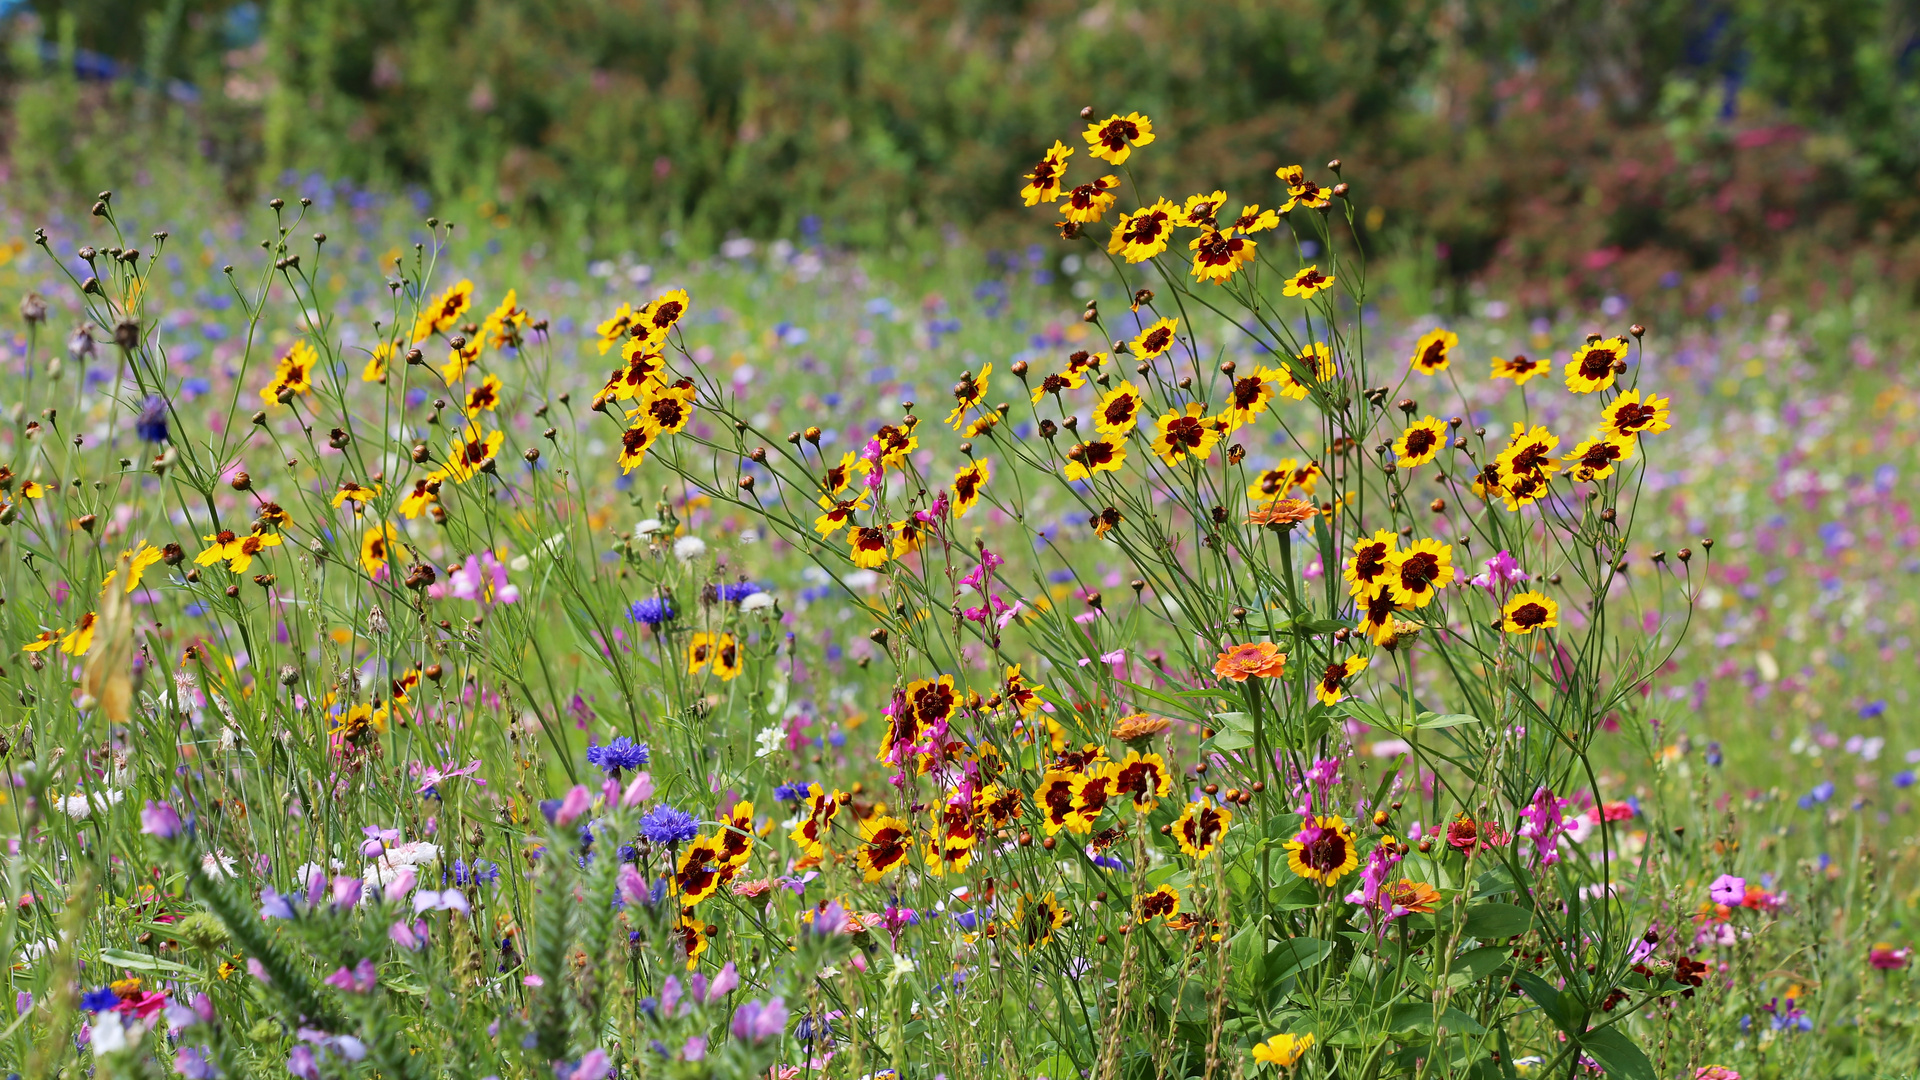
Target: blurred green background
1580,145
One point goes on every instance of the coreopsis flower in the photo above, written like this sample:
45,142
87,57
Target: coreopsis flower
139,560
615,329
425,492
1092,790
666,409
1300,190
699,872
80,638
1155,339
726,658
1417,573
459,360
968,393
1241,662
1372,562
1043,183
1201,211
292,373
1333,681
700,652
41,642
1113,140
1142,778
1629,418
377,363
502,327
1434,351
1035,919
357,494
870,546
640,376
886,842
1322,850
1593,366
241,553
1161,903
1097,456
1596,458
471,448
1057,383
1284,1050
839,513
1316,361
1518,367
1141,235
1251,395
221,541
662,315
378,547
1089,202
1252,219
1185,436
484,397
1218,255
1306,282
1200,827
634,444
1118,411
1420,443
444,312
837,478
1528,454
967,485
1529,611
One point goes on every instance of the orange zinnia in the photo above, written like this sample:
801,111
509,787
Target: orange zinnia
1262,658
1282,514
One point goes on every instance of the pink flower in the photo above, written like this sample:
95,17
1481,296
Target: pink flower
638,791
161,820
1544,822
575,804
1715,1072
411,937
360,979
1500,571
402,884
1885,957
483,579
1727,889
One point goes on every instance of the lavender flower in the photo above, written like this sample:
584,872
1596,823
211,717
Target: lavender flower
161,820
758,1021
483,579
667,826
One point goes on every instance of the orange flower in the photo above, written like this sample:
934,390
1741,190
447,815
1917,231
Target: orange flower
1262,658
1282,514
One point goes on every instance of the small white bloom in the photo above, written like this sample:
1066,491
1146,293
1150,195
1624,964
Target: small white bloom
769,740
646,528
860,580
689,548
759,601
749,536
217,864
519,563
902,967
109,1034
81,807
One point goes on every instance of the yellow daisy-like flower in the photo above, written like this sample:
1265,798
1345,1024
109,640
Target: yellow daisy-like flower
1118,411
968,393
967,484
1416,574
1529,611
1097,456
1434,351
1161,903
886,842
378,547
1300,190
634,444
1155,339
1420,443
1283,1050
1593,365
1090,201
1141,235
666,409
80,638
1596,458
1043,183
241,553
1333,681
1200,828
470,450
501,328
1058,382
1316,360
1035,919
663,314
1251,395
615,328
445,311
870,546
41,643
1529,455
1372,562
1518,367
357,494
1201,211
1252,219
1182,436
425,492
459,360
485,397
726,658
1323,851
1113,139
1629,417
839,513
139,559
1218,255
376,369
1307,282
292,374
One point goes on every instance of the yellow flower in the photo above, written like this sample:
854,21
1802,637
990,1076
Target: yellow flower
1317,361
886,842
699,652
1300,190
1420,442
445,311
967,395
1098,456
1219,255
614,328
426,491
1528,456
1308,282
666,409
1629,417
1252,219
502,328
357,494
839,513
870,546
1283,1050
292,374
1433,351
1090,202
1043,183
240,554
662,315
1200,827
1251,395
139,559
1201,211
1180,436
484,397
1518,368
1322,851
378,547
726,658
80,639
1113,139
1596,458
470,450
1141,235
1118,411
1373,560
1416,573
1155,339
634,443
459,360
1333,681
41,643
1035,920
967,484
376,369
1529,611
1593,365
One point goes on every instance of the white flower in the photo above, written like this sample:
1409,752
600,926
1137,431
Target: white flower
110,1036
861,580
80,807
646,528
759,601
519,563
217,864
689,548
413,853
902,967
769,740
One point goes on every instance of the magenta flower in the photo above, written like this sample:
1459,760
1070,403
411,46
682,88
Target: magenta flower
758,1021
1501,570
1544,821
1727,889
409,936
360,979
161,820
577,802
483,580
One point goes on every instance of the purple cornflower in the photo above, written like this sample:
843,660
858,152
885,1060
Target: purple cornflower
620,755
151,424
483,579
667,826
758,1021
97,1001
733,593
1544,822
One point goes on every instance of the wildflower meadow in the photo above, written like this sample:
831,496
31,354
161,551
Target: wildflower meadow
1163,648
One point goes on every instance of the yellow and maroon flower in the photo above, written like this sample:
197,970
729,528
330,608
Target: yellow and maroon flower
967,395
1518,367
1113,140
1594,365
1333,682
1371,562
1180,437
1300,190
1054,798
1420,443
1092,790
1252,394
634,443
1596,458
886,843
1201,211
1307,282
1035,919
471,449
1155,339
1529,611
967,484
1200,828
439,316
1142,778
1141,235
871,546
1043,183
1323,851
1090,202
1417,573
1529,454
1098,456
1119,410
1252,219
1434,351
1161,903
484,397
1629,418
1218,255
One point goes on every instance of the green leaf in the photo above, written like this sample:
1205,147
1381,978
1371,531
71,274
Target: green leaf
1232,731
1368,713
1476,964
1420,1018
1429,720
1491,922
142,962
1551,1002
1290,957
1617,1054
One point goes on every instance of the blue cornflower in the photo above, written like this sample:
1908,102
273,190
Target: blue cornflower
793,792
1873,710
100,1000
619,755
737,591
1821,792
481,872
1903,779
151,424
653,611
665,825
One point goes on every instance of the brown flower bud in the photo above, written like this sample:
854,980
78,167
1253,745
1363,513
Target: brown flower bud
241,481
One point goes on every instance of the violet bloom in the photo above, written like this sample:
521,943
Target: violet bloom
274,906
620,755
151,423
192,1063
724,983
1501,570
301,1064
161,820
346,891
594,1066
666,826
360,979
1727,889
758,1021
483,580
411,937
1544,821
